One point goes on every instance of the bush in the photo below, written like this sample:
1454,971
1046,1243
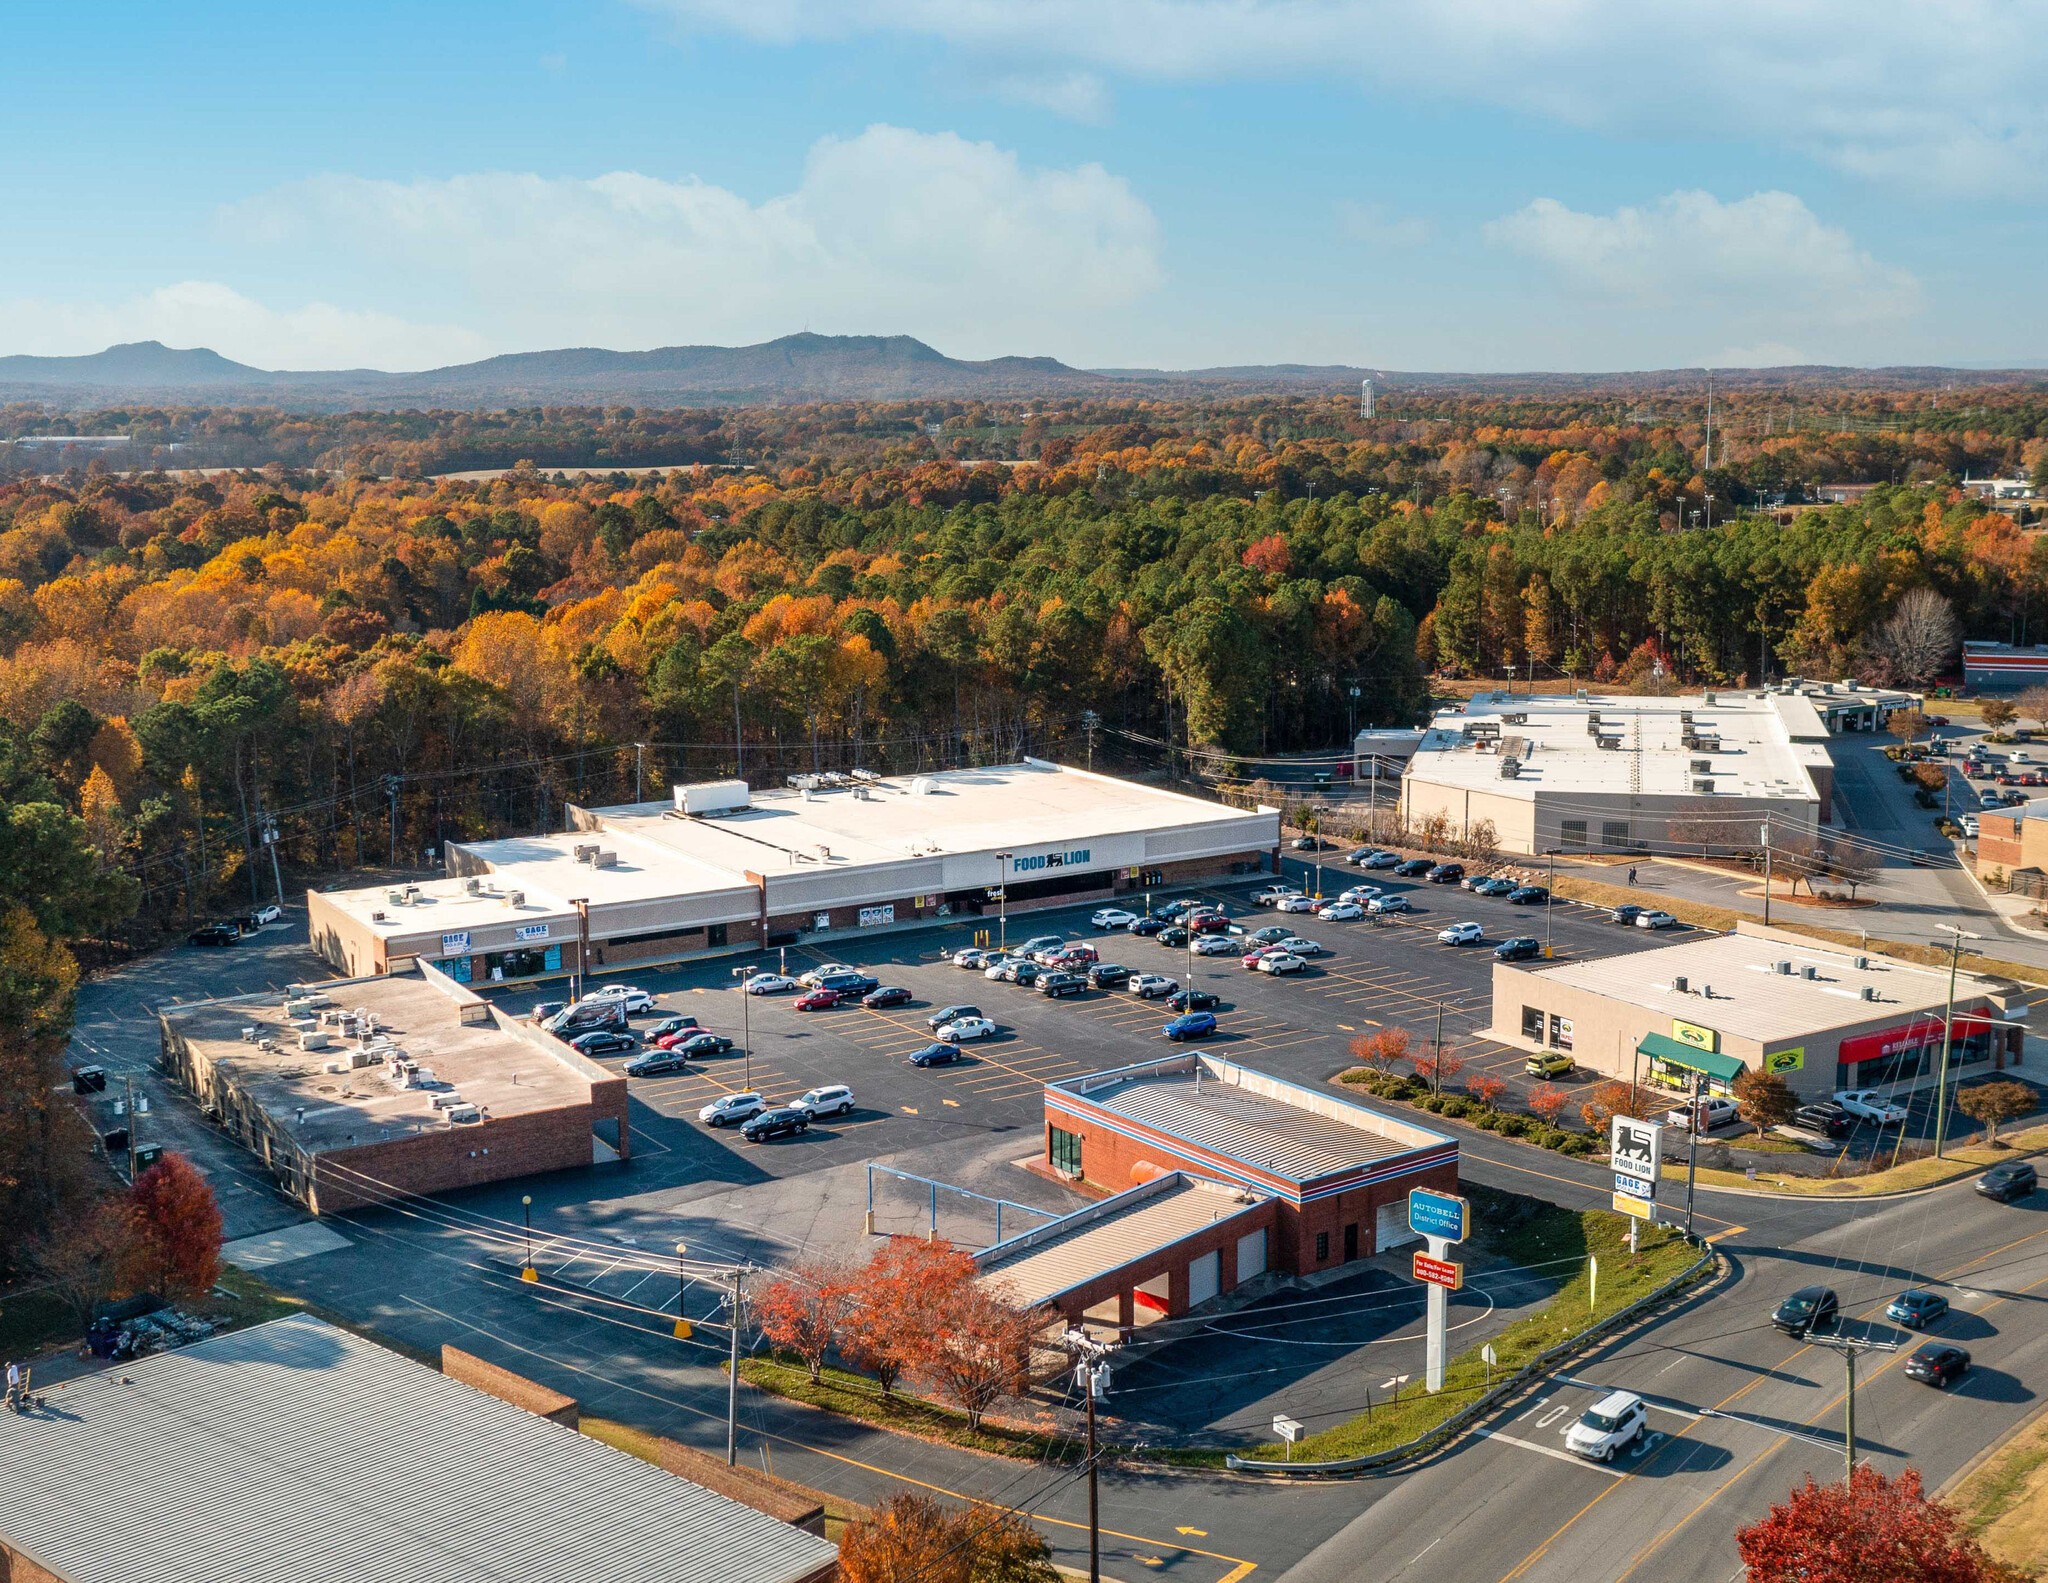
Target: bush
1514,1126
1576,1144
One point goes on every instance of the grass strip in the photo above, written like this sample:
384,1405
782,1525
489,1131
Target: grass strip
2004,1503
856,1396
1905,1178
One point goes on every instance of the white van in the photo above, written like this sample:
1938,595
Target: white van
1715,1111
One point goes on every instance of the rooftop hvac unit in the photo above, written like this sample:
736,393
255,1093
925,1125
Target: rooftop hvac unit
1862,963
1581,695
249,1033
472,885
314,1039
395,897
605,860
412,893
446,1101
463,1115
1515,719
515,898
922,786
1782,966
713,797
377,916
1609,743
1809,971
1708,700
304,1025
1704,787
358,1058
335,1067
1592,725
804,782
1703,766
1870,992
866,775
1510,769
585,851
1681,983
824,854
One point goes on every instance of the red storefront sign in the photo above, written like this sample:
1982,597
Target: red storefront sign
1439,1272
1909,1036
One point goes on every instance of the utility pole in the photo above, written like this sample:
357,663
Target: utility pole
746,1022
1948,1028
391,791
130,1083
1692,1150
732,1383
582,906
639,750
1091,1375
1549,902
1003,886
1848,1347
1089,721
270,844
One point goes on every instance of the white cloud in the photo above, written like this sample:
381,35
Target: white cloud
1378,226
889,229
1758,267
206,313
1940,97
1077,95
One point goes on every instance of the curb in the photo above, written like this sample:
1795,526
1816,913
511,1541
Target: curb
1860,1198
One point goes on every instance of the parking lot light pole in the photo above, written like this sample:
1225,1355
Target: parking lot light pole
1002,901
682,1331
746,1024
582,906
1549,902
528,1272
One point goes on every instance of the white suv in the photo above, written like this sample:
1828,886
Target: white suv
1113,918
1611,1424
835,1100
729,1108
631,998
1461,934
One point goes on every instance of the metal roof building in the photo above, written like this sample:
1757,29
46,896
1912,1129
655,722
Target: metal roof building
299,1453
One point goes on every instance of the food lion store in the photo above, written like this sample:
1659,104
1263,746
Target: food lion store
721,866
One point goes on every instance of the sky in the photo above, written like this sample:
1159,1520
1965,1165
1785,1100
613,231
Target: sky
1482,185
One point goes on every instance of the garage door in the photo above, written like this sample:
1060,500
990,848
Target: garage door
1204,1275
1390,1226
1251,1255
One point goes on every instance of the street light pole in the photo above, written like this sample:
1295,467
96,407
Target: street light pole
1692,1150
1003,901
528,1272
1948,1028
1436,1052
732,1384
1766,837
1549,903
582,906
638,749
746,1024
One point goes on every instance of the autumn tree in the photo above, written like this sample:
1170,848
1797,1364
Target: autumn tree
1485,1087
1997,713
897,1302
45,1144
178,1229
89,1256
1547,1102
980,1351
803,1312
1613,1099
1436,1064
1764,1099
1381,1051
1873,1530
1991,1104
2032,704
910,1536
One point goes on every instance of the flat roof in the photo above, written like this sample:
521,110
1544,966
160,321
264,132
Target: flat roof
501,1066
1752,1001
295,1449
1061,1255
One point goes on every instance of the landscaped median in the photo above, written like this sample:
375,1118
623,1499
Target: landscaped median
858,1396
1912,1176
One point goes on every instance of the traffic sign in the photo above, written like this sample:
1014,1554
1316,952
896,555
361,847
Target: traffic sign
1434,1214
1634,1186
1439,1272
1641,1208
1635,1146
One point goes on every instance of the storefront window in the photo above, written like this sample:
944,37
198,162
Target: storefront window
1560,1032
1063,1150
456,967
1532,1023
1575,833
500,965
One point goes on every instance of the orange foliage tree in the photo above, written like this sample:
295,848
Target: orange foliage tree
804,1311
178,1228
895,1305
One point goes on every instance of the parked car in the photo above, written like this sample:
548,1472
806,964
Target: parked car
1147,986
834,1099
1174,936
701,1046
1108,975
1827,1119
1939,1363
1528,896
1113,918
214,934
1461,934
1272,934
1493,886
816,1000
1058,986
1311,843
1278,963
1360,894
729,1108
1969,824
1298,904
1341,912
1870,1105
1301,945
1194,1000
946,1014
1358,855
1446,874
1548,1063
887,995
783,1121
769,984
1075,956
1611,1424
2007,1181
603,1041
849,983
1191,1025
1038,943
1270,895
1178,908
1386,904
1809,1309
268,914
817,975
1627,913
544,1009
966,1028
654,1063
244,922
1148,926
1382,860
1656,920
939,1054
970,956
1520,949
1250,959
630,996
1713,1110
668,1025
1018,970
1915,1309
1214,945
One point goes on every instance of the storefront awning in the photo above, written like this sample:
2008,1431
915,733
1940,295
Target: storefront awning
1659,1047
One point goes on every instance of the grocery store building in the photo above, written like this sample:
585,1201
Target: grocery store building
719,865
1702,1011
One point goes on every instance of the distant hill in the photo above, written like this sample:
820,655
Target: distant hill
138,365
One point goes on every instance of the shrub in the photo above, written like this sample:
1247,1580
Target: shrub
1515,1126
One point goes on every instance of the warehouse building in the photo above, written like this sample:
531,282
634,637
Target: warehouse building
298,1450
719,866
1702,1011
358,1091
2004,667
2012,846
1592,773
1315,1180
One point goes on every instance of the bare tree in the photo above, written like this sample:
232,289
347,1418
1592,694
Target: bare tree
1919,637
1850,865
2033,705
1697,823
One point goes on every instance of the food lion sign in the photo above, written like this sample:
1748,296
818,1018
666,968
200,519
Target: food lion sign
1634,1149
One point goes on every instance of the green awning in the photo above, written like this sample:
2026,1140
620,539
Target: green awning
1660,1048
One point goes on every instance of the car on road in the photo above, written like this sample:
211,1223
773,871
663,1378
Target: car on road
1278,963
1655,919
1446,874
729,1108
1174,936
1380,905
1298,904
655,1062
603,1041
966,1028
1148,926
668,1025
816,1000
1494,885
819,975
630,996
1108,975
1190,1025
970,956
267,914
214,934
887,995
1273,895
1414,867
1521,948
1809,1309
834,1099
1627,913
1057,986
1341,912
1147,986
1461,934
782,1121
1869,1105
1528,896
701,1046
2007,1181
1548,1063
1915,1309
1214,945
1829,1120
1194,1000
946,1014
770,984
939,1054
1611,1424
1038,943
1713,1111
1113,918
1382,860
1939,1363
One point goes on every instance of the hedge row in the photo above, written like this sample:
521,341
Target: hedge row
1473,1112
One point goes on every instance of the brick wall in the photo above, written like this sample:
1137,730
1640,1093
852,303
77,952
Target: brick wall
1999,844
452,1157
17,1568
509,1387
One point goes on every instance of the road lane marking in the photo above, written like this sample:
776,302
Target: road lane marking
1551,1451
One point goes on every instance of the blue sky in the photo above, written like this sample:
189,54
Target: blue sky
1567,184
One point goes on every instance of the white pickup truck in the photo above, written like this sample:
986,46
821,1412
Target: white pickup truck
1871,1105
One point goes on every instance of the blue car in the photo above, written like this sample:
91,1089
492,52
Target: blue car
1195,1025
1148,926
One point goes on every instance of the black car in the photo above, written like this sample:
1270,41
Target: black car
214,934
1309,843
1627,913
2013,1179
1177,909
1358,856
1915,1309
699,1045
655,1062
1828,1119
1060,985
1148,926
603,1041
1446,873
1527,895
1939,1363
667,1026
1519,949
1174,935
887,995
790,1119
544,1009
946,1014
1193,1000
849,986
1809,1309
1106,975
1414,867
940,1054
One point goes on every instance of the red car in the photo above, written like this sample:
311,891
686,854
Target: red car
1081,956
817,1000
1209,923
1251,957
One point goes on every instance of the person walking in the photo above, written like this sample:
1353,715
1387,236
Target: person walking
1631,874
13,1381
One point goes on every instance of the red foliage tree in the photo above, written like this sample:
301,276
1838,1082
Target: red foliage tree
1382,1051
1546,1102
1270,555
1437,1064
980,1353
806,1311
178,1229
1485,1087
896,1304
1875,1530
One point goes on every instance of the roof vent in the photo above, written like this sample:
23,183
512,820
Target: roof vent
377,916
1609,743
1708,700
1706,991
1809,972
1680,983
604,860
1704,787
1510,768
472,885
1782,966
921,786
1580,695
1870,992
515,898
870,776
1862,963
1703,766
